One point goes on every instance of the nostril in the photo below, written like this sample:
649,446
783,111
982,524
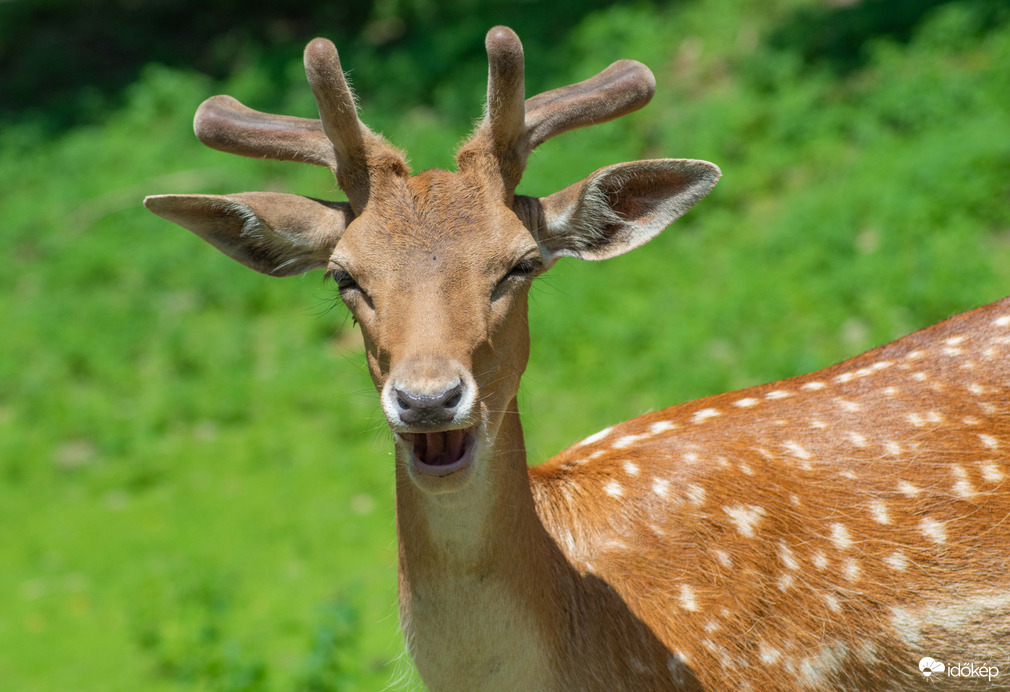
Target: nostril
402,400
455,395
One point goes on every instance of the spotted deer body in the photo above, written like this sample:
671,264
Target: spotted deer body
823,532
820,533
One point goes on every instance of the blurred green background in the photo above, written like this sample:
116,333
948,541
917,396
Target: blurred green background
196,487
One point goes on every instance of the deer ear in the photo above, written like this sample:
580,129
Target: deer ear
271,232
620,207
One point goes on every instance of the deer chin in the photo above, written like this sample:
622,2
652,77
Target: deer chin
441,453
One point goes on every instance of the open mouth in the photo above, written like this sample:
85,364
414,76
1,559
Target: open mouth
441,453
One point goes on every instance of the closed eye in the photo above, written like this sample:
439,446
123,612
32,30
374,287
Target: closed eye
525,269
522,271
343,280
349,288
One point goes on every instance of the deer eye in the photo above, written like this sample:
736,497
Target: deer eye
348,287
343,280
524,269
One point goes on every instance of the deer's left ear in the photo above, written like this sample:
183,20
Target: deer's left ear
271,232
620,207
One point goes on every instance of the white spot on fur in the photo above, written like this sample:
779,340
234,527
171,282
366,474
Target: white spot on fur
596,437
631,468
832,602
915,419
975,388
818,424
933,530
840,536
661,427
746,403
723,557
1002,321
778,394
660,486
857,439
704,414
889,391
906,625
907,489
614,489
785,582
746,517
627,441
991,472
787,557
989,441
892,448
687,599
879,511
818,671
796,449
847,405
814,386
962,486
844,377
769,654
852,571
896,561
696,494
919,376
820,562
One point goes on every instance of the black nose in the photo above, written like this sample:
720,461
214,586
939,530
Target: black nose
425,409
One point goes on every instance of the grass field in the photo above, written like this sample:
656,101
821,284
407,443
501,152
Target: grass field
196,485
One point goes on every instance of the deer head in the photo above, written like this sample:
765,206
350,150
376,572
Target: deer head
436,267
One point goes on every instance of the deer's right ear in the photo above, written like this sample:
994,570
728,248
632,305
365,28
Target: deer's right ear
620,207
271,232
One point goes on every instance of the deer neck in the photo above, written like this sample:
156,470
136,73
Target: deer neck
474,574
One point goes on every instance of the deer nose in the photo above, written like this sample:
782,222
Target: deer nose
428,409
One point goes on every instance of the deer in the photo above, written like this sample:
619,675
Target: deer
847,529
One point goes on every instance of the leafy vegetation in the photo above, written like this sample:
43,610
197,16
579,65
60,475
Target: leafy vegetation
196,487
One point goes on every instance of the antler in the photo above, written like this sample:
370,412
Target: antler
514,127
339,140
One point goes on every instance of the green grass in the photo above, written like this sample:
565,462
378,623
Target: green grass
196,487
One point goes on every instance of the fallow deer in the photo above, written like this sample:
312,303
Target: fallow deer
825,532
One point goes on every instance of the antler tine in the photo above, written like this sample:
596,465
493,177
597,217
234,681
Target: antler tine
340,121
513,128
505,89
224,124
625,86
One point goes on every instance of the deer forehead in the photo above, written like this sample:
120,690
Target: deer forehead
433,225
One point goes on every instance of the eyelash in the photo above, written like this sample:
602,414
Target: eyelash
524,269
342,279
